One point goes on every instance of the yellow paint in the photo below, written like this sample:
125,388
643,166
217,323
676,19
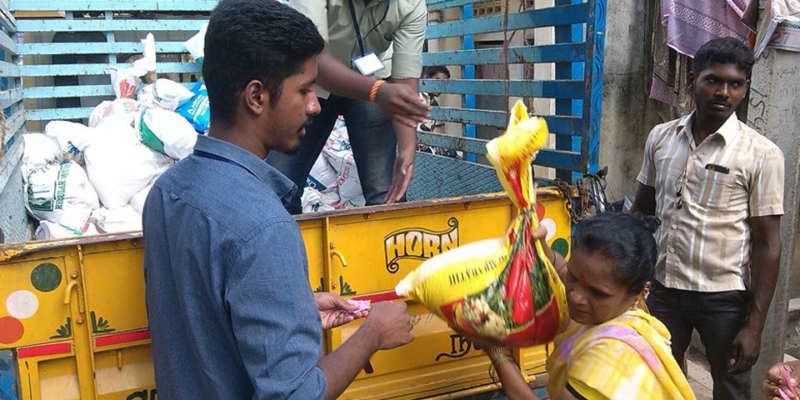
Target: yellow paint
347,253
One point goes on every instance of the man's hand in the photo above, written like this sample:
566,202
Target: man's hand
389,324
746,346
775,380
336,311
402,103
402,172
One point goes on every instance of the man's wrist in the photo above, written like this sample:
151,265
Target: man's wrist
369,337
754,325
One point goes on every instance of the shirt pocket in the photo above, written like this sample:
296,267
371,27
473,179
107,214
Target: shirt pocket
714,193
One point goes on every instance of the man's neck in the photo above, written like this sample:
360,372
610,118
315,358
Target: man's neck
239,138
703,127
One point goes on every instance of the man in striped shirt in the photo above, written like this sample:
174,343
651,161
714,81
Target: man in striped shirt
717,186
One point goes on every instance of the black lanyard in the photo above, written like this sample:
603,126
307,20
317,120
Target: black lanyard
358,29
355,25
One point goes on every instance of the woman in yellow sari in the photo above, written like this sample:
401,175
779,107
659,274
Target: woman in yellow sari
612,349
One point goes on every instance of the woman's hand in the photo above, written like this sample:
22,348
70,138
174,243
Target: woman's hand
776,381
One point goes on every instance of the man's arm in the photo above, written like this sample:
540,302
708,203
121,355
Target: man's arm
274,318
387,326
403,169
766,250
645,201
400,101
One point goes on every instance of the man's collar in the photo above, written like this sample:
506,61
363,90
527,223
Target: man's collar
228,152
727,131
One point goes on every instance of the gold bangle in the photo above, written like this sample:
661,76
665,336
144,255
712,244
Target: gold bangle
500,355
373,93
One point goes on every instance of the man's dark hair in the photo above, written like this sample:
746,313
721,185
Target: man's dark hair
724,51
254,40
429,72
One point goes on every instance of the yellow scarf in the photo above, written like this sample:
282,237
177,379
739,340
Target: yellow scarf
627,357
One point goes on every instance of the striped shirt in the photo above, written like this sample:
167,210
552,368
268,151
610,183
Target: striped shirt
704,197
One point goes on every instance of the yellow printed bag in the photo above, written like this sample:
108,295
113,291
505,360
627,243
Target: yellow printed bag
504,289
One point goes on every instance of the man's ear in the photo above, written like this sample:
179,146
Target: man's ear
256,97
690,80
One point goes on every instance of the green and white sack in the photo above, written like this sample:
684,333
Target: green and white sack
60,193
166,132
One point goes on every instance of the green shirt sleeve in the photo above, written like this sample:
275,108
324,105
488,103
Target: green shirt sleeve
316,12
407,43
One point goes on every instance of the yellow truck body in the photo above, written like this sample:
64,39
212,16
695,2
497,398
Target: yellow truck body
73,323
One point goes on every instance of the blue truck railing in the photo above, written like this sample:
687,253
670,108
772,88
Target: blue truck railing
64,79
14,224
577,90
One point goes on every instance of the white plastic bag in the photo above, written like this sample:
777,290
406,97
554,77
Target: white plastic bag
39,150
123,109
166,132
117,220
196,45
119,165
125,80
49,230
165,94
60,193
138,200
72,138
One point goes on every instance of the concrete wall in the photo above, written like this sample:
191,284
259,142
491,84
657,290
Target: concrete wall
627,114
775,112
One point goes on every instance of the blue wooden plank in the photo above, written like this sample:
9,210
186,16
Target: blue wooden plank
102,69
111,38
566,160
554,16
49,92
560,89
441,5
10,97
117,5
14,125
559,125
468,72
97,48
8,45
51,114
568,70
8,70
8,373
590,146
7,21
562,160
78,25
515,55
465,144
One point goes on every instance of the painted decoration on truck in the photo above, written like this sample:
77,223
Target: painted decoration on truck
46,277
11,330
418,244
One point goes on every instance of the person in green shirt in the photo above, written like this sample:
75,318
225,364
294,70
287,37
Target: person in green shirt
380,103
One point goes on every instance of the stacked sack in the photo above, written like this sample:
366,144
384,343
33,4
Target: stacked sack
333,182
82,180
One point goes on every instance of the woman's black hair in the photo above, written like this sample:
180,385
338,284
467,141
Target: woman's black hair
626,240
